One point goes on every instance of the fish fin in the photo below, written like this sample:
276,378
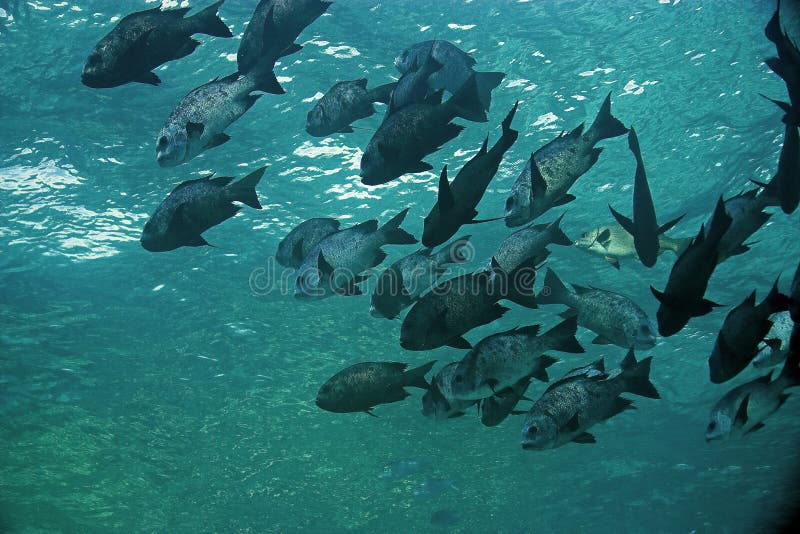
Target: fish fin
207,21
600,340
197,241
660,296
613,261
486,82
782,398
297,252
484,146
620,405
217,140
446,199
637,376
558,235
393,234
604,238
194,130
623,221
580,290
220,181
467,101
148,77
323,265
605,125
757,426
563,336
568,313
741,413
564,199
346,129
434,99
520,289
584,437
455,415
291,49
459,343
554,291
416,377
704,307
369,412
667,226
481,221
382,93
245,189
573,424
380,255
538,183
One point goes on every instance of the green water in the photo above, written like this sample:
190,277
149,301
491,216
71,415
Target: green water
145,392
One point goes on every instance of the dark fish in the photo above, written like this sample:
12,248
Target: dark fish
456,306
270,35
794,296
343,104
456,68
403,281
565,412
445,518
786,183
501,360
438,402
776,343
412,87
411,133
144,40
684,296
495,409
615,243
457,201
552,169
195,206
744,328
644,227
747,214
361,387
787,64
433,487
294,248
530,242
615,318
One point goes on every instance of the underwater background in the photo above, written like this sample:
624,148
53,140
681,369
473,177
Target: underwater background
175,392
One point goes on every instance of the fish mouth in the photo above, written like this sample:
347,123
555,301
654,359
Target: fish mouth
529,446
164,159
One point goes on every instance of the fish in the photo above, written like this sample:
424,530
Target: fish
744,328
294,248
412,87
438,402
593,371
551,170
194,206
614,243
414,131
794,296
530,241
495,409
402,282
433,487
747,214
499,361
787,64
615,318
775,346
343,104
786,183
744,408
644,226
144,40
457,201
404,468
457,305
684,295
362,386
565,413
456,68
335,264
270,35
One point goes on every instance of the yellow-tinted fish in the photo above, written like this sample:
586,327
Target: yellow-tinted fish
614,243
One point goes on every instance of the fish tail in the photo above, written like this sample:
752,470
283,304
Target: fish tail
455,252
637,376
486,82
676,245
720,222
466,102
790,373
245,189
207,21
382,93
777,301
605,125
416,377
562,336
510,135
554,291
393,234
557,236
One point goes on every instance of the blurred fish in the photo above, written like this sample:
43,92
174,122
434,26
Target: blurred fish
456,306
747,216
142,41
644,227
614,243
456,68
403,468
433,487
343,104
744,328
411,133
552,169
335,264
445,518
495,409
499,361
412,87
775,347
565,412
684,296
615,318
402,282
457,201
195,206
294,248
530,242
438,402
361,387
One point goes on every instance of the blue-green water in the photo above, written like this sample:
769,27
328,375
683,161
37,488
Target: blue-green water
160,393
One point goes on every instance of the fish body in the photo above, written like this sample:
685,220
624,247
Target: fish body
438,402
343,104
294,248
530,242
774,349
495,409
747,214
614,243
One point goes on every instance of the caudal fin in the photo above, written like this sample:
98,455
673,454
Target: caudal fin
510,135
562,336
775,300
605,125
554,291
557,235
466,102
382,93
720,222
393,234
416,377
637,376
208,22
486,82
245,189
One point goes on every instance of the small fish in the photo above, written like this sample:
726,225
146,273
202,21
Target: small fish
456,306
644,227
294,248
495,409
615,318
403,468
335,265
614,243
343,104
361,387
775,347
142,41
555,167
411,133
457,202
530,242
433,487
747,214
403,281
438,402
744,328
195,206
565,412
684,296
456,68
499,361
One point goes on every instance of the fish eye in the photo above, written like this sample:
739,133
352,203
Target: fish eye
712,425
459,378
532,430
162,141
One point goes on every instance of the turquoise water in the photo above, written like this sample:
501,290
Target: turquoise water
164,393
